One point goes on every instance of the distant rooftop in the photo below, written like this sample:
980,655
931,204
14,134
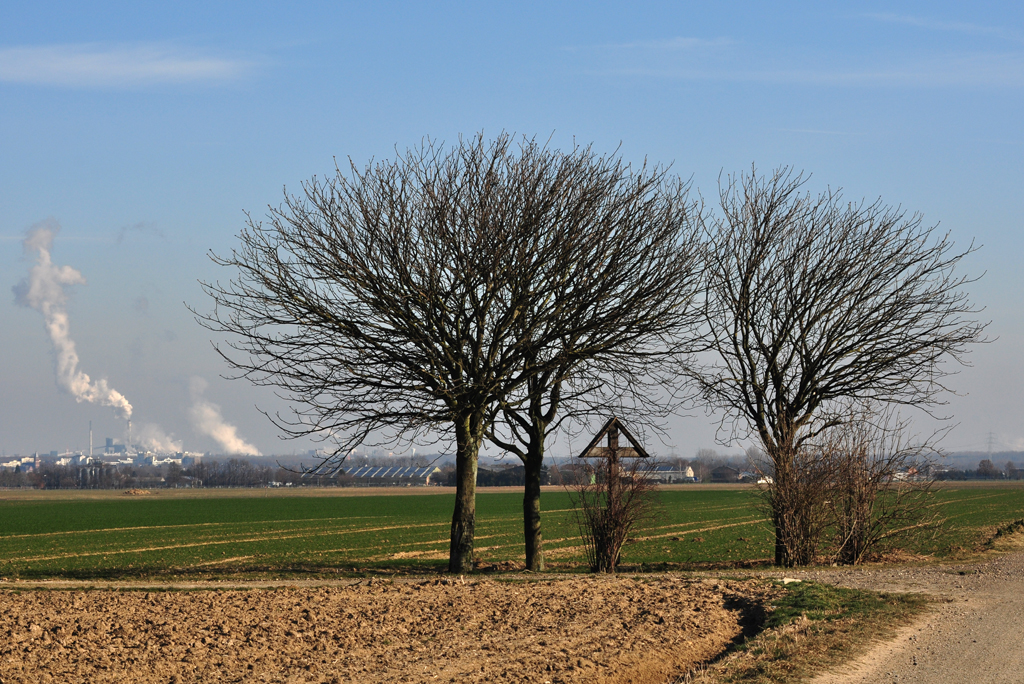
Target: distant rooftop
391,473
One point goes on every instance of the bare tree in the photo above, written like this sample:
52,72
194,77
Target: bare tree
416,296
811,301
987,469
622,333
704,462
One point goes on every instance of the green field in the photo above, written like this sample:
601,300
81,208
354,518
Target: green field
164,535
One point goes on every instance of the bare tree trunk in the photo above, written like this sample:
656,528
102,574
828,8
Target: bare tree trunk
780,491
614,508
468,435
795,499
531,513
780,494
780,546
530,429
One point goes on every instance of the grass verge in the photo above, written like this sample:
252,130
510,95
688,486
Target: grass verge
809,628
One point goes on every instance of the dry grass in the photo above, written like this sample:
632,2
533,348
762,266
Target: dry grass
811,628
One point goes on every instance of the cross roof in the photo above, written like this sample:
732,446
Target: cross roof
612,429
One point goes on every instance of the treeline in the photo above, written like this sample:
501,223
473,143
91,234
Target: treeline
514,476
563,473
986,470
49,476
234,472
238,472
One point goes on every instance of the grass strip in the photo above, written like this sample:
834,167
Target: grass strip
810,628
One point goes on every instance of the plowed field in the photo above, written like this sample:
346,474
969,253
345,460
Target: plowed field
584,629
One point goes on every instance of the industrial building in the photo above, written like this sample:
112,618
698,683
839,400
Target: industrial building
376,476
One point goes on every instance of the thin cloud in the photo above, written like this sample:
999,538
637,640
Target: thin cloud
962,71
677,44
99,65
728,60
672,44
939,25
968,71
814,131
141,228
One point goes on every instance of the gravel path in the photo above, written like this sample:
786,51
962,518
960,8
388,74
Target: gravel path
973,633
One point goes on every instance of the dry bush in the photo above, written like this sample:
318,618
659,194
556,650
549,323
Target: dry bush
880,489
611,500
796,497
859,486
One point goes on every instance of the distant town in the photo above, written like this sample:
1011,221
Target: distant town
115,465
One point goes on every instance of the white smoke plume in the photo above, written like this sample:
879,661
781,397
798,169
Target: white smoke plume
207,419
43,291
155,439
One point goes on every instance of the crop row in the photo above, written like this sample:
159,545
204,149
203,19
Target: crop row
124,537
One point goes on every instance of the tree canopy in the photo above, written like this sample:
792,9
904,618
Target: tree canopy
416,295
813,301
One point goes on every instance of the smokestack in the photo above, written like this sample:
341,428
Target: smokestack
128,446
90,439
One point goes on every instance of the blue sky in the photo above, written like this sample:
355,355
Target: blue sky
146,133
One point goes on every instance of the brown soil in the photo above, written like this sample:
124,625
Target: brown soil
583,629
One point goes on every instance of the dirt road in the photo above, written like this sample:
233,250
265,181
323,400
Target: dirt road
974,633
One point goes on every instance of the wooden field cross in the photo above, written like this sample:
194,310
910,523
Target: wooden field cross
612,429
613,452
612,507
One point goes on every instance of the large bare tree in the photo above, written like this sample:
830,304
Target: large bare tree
414,296
812,301
630,317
